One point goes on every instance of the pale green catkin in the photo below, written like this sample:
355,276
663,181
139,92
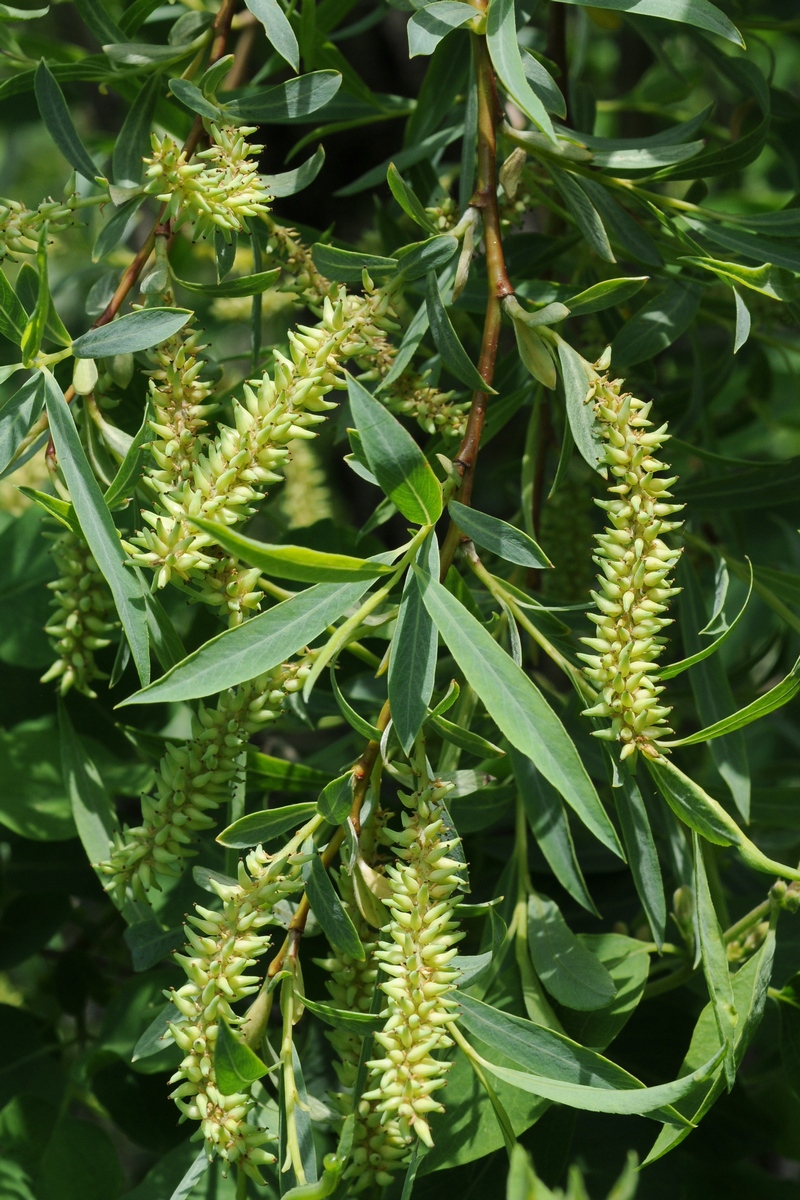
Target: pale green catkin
219,189
635,564
193,779
416,952
221,948
231,471
21,227
84,617
565,535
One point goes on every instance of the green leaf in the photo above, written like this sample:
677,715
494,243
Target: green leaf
453,355
10,13
742,331
584,213
518,708
642,854
17,415
258,645
535,355
329,910
408,200
148,55
370,732
136,331
543,84
97,525
715,962
57,119
245,285
501,40
289,183
347,266
657,324
412,659
750,985
677,668
92,809
395,459
569,972
712,692
292,562
113,231
13,317
699,13
34,330
628,963
430,24
416,260
359,1023
641,1100
157,1036
562,1066
336,799
195,100
236,1066
776,283
281,775
124,482
133,142
605,294
465,739
287,102
277,28
265,826
632,237
498,536
547,818
706,816
33,801
583,423
775,698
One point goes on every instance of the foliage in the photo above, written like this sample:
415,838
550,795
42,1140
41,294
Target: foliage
352,845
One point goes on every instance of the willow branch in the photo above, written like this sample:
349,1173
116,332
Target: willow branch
484,199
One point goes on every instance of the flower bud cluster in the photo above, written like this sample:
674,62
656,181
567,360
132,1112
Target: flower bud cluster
234,468
180,401
20,227
416,952
221,947
635,565
218,190
194,778
83,621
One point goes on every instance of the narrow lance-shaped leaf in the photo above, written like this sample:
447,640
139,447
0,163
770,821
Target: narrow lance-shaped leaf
133,142
395,459
292,562
412,660
547,818
517,707
502,539
265,826
453,355
715,961
277,28
287,102
34,330
135,331
329,910
56,116
580,411
13,317
91,805
642,854
570,973
501,40
97,525
430,24
706,816
700,13
17,416
289,183
256,646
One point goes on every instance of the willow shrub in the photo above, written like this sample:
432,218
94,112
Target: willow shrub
354,842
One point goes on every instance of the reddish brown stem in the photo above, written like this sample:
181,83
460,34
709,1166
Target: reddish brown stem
499,285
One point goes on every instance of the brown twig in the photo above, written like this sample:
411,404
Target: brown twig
499,285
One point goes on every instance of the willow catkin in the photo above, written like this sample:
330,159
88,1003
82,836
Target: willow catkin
416,952
222,946
635,564
84,618
194,778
